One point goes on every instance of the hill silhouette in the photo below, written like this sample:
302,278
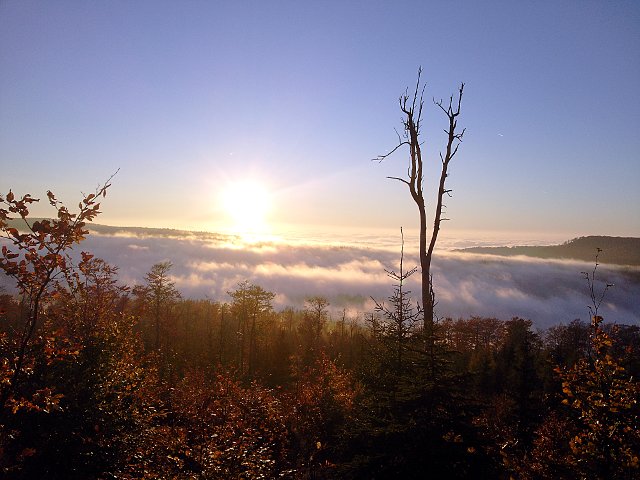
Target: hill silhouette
135,231
614,250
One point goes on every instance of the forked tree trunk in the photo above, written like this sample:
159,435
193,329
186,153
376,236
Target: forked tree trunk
411,108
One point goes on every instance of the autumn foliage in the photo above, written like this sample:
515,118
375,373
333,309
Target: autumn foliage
603,399
103,380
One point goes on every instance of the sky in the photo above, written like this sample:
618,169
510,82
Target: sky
199,105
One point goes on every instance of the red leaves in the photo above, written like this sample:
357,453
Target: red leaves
51,237
27,452
14,206
43,400
27,199
59,347
44,246
231,429
7,254
86,256
41,227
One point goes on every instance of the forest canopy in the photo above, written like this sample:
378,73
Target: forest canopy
105,380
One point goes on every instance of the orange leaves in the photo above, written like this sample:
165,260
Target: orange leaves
46,400
58,347
86,256
88,199
44,247
51,237
320,405
7,254
603,398
220,429
43,400
27,452
14,205
42,227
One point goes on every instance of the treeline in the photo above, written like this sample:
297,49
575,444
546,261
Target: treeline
102,380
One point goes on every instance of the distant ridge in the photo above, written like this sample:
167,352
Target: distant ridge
137,231
615,250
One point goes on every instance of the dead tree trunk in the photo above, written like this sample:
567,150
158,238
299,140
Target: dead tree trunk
411,107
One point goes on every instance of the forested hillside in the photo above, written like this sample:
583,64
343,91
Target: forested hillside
104,380
615,250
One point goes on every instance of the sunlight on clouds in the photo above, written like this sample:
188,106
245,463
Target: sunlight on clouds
210,265
369,271
510,293
217,266
133,246
466,292
247,205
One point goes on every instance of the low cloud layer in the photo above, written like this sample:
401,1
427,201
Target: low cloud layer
547,292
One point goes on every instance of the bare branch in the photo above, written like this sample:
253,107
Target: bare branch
460,98
380,158
415,94
400,180
455,150
398,134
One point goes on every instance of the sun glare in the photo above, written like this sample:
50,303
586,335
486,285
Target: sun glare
247,204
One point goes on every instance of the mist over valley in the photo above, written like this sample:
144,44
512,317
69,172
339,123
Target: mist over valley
350,270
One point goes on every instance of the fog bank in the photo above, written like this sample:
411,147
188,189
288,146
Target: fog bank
545,291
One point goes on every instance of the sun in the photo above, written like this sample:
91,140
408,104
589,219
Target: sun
247,204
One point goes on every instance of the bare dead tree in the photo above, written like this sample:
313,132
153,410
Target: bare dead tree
411,107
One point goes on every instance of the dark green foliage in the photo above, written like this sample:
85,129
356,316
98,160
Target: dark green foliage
566,344
517,376
418,408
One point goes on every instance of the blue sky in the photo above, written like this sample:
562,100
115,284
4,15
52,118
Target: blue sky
188,97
